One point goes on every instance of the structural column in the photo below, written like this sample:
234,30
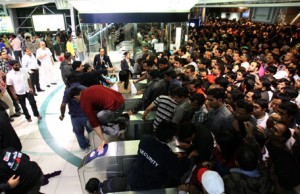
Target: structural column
72,20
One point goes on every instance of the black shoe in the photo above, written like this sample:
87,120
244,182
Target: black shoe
29,120
17,114
40,90
11,119
35,94
48,86
39,117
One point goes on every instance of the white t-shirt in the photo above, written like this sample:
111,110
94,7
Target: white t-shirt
19,80
261,122
195,65
41,52
29,62
245,65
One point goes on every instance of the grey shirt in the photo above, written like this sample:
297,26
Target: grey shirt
183,112
220,120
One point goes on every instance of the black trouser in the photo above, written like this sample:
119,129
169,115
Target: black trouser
35,80
18,56
15,102
32,102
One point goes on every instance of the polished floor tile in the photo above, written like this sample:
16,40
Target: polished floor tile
68,185
51,142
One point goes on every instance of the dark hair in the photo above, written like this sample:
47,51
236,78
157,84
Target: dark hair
171,73
74,92
144,56
229,67
154,73
281,96
195,82
290,107
247,56
183,49
165,130
75,65
290,91
163,61
222,81
198,97
249,84
180,92
236,95
183,61
67,55
204,62
203,70
265,83
86,66
93,185
69,36
286,81
152,58
271,69
218,93
13,62
242,70
231,74
219,49
263,103
148,63
191,68
245,105
221,68
287,133
256,94
124,77
176,58
247,157
186,130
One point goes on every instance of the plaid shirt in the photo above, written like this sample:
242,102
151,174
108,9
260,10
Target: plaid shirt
4,66
2,83
201,115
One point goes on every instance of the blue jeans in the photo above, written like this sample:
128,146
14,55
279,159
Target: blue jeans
79,123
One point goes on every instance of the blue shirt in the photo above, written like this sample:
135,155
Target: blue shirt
2,45
74,105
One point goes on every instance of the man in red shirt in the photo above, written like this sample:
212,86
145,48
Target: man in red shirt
103,107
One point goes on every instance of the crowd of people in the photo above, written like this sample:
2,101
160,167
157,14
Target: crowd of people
230,95
236,84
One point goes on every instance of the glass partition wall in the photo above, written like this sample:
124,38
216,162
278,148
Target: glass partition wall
121,37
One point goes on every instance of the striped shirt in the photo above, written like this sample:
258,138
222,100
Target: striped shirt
165,107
